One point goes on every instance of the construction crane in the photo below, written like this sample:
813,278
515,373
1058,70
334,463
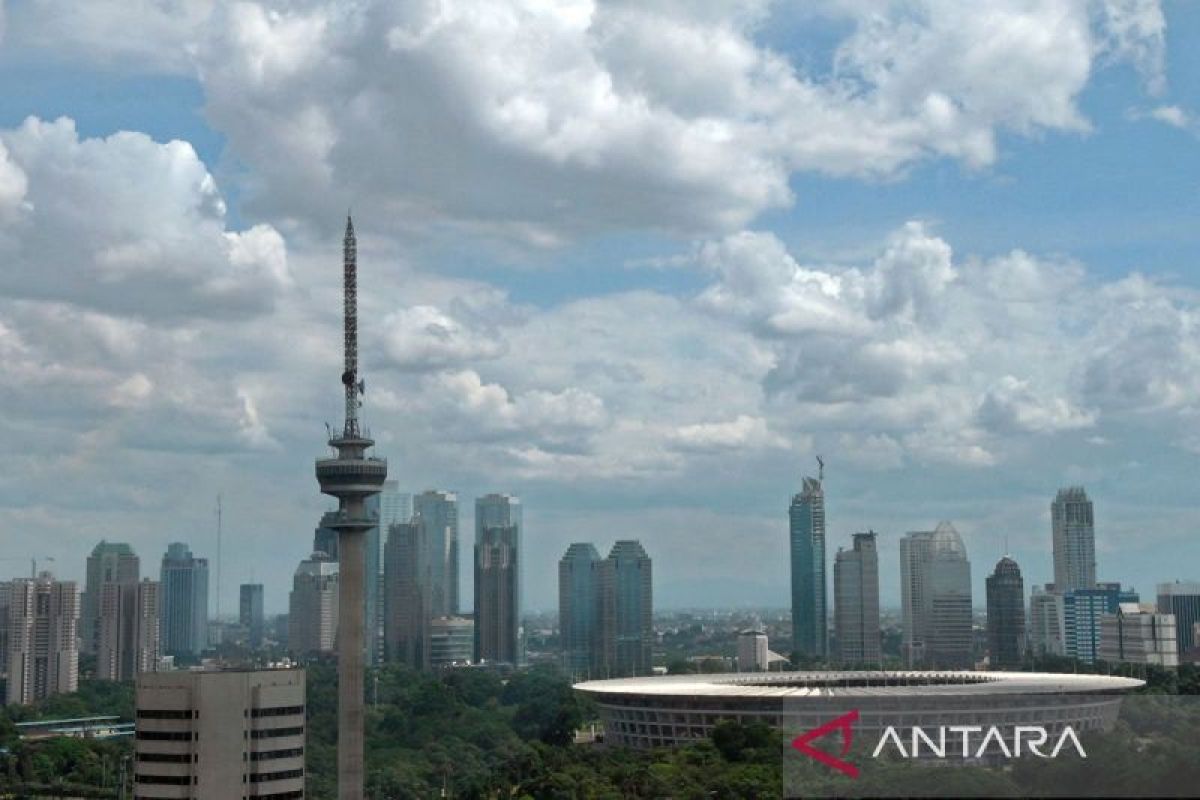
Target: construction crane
32,563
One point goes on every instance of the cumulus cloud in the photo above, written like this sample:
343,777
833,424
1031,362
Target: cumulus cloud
425,337
743,432
129,225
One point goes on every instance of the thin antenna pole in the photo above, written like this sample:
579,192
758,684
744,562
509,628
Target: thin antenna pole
350,328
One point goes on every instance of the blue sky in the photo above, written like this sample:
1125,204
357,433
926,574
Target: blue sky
636,264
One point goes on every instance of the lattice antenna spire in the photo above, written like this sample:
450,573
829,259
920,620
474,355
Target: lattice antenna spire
350,380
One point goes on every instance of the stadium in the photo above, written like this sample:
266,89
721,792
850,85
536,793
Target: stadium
674,710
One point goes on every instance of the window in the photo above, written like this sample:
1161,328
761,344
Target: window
171,780
164,736
271,733
153,713
267,755
277,776
165,758
278,711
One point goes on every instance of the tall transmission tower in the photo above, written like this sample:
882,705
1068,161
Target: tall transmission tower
351,476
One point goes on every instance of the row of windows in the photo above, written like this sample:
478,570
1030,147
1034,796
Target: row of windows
165,736
267,755
271,733
277,776
294,794
172,780
154,713
166,758
278,711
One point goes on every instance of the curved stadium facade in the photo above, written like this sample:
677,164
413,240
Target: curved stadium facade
674,710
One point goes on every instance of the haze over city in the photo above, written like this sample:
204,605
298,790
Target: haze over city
958,265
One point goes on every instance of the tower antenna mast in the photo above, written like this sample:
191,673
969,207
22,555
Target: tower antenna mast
820,469
350,380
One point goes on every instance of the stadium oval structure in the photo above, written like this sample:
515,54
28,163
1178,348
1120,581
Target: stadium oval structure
673,710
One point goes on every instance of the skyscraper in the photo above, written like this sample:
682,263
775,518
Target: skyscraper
351,476
313,604
626,611
856,601
578,607
250,613
391,506
806,517
407,594
325,537
437,512
43,656
1082,613
129,635
1074,535
1182,598
183,602
935,586
498,579
394,505
1006,615
1046,622
1137,633
110,562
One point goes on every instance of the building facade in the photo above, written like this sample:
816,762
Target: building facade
129,640
579,607
313,606
43,652
437,512
1006,615
109,562
1074,533
184,602
1046,622
1182,598
626,625
498,522
1082,612
1139,634
250,613
806,521
935,584
856,601
451,642
407,595
753,654
187,738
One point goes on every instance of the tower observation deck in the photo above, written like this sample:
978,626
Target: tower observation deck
351,476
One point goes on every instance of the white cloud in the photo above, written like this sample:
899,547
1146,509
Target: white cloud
128,225
425,337
742,432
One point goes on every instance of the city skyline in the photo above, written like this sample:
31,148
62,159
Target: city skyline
890,267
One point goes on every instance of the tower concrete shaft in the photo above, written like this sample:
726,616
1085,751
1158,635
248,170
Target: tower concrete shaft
351,476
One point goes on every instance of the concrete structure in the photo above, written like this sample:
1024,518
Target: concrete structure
935,588
220,735
313,606
250,613
498,579
753,655
676,710
437,513
110,562
1082,611
1046,623
407,595
626,611
129,637
806,532
856,601
1138,634
43,654
579,607
183,602
1006,615
1182,598
1074,534
351,476
451,642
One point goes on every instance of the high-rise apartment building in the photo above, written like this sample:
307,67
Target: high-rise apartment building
935,588
806,518
1082,612
579,607
250,613
183,601
1074,531
1006,615
437,512
1137,633
451,641
110,562
313,606
1182,598
1047,627
187,739
626,611
856,601
129,635
753,655
407,594
498,579
43,654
